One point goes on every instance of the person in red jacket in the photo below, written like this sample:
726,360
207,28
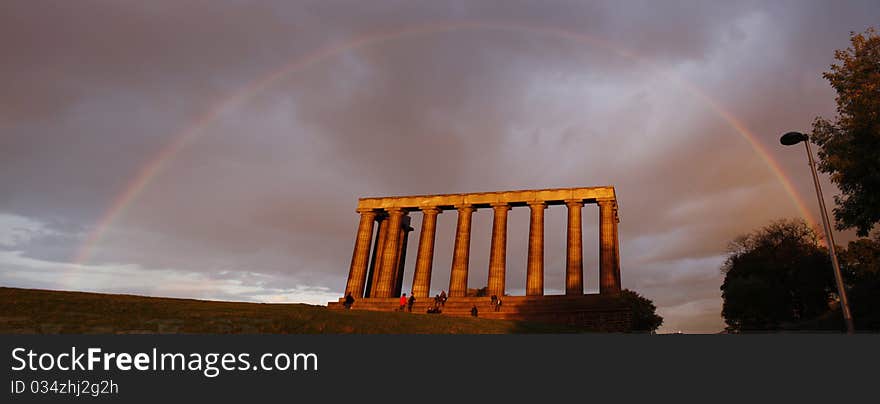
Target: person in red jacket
403,302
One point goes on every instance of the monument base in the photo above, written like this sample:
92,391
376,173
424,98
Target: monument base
593,312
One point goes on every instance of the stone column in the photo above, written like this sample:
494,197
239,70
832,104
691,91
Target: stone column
609,272
389,253
535,269
378,249
421,285
574,274
401,254
459,273
498,253
357,274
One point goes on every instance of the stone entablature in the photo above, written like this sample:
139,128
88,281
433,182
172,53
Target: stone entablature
486,199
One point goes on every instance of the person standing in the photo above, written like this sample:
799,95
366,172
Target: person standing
410,303
474,311
349,300
402,302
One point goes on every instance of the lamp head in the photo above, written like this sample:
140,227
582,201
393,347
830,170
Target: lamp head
792,138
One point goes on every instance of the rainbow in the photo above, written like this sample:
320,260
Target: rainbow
189,134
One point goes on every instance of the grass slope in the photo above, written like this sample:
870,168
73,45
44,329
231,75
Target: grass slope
25,311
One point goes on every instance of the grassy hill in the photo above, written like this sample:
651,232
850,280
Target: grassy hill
25,311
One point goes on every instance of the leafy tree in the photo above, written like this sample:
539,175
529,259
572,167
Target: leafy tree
849,145
774,276
645,318
860,264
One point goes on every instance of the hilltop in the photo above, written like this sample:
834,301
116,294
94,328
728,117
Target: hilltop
27,311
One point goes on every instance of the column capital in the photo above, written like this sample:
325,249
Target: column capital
500,206
465,207
367,211
537,204
606,202
431,210
395,211
574,203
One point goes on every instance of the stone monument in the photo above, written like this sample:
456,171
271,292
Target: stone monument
376,274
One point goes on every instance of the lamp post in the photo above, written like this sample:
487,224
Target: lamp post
793,138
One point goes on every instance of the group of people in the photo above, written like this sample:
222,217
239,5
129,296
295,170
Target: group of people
406,304
496,303
496,306
439,303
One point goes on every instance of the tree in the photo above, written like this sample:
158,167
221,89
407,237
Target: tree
775,276
860,264
849,146
645,318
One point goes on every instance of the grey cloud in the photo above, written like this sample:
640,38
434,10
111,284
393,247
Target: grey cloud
267,190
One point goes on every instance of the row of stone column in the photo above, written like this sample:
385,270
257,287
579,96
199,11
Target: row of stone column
386,268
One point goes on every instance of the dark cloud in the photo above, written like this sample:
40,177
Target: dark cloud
513,95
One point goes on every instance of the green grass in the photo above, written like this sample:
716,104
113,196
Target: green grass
26,311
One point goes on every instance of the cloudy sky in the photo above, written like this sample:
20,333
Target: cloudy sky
216,149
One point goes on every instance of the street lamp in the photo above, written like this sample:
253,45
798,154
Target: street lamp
793,138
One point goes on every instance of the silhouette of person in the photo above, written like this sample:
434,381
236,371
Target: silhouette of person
402,302
436,307
474,311
410,303
349,300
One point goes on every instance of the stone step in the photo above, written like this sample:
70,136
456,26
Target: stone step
469,304
588,312
510,304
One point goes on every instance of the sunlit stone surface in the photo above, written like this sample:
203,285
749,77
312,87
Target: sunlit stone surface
379,287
